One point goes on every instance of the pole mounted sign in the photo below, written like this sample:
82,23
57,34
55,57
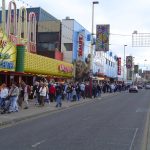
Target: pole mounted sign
102,37
129,60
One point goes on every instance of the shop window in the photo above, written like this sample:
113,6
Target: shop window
46,46
68,46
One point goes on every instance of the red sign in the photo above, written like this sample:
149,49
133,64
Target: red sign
119,66
65,69
81,45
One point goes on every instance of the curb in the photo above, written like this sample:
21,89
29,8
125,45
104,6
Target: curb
34,116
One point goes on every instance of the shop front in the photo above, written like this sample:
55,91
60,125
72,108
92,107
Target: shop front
17,64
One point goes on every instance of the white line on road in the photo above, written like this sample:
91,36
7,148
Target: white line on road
136,130
38,143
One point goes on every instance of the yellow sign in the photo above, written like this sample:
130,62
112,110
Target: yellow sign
37,64
7,53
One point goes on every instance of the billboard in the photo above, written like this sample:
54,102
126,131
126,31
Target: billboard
129,61
119,65
102,37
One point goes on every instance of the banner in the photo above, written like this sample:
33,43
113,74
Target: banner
102,37
129,62
119,65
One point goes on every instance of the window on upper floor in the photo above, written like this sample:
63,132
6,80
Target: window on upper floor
68,46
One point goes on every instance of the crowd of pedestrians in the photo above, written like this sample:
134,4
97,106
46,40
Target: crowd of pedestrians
16,96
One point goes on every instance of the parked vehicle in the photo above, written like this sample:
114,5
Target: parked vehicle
134,89
147,86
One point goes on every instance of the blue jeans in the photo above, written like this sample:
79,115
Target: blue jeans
58,101
78,96
13,104
69,96
2,102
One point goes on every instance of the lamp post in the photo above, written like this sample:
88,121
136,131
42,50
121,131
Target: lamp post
93,3
124,63
91,62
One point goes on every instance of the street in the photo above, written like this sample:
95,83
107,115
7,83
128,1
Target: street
113,123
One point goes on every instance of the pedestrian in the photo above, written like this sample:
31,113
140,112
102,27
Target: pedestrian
3,95
74,94
42,92
69,92
52,92
27,91
21,95
13,94
58,95
78,91
82,88
36,94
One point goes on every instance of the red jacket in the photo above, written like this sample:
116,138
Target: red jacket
52,89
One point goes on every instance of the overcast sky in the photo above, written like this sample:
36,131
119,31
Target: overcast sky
124,16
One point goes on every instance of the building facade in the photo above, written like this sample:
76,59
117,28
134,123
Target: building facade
75,46
48,33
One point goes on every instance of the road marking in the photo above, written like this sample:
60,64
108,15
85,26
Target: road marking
133,139
38,143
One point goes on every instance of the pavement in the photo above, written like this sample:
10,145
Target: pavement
36,111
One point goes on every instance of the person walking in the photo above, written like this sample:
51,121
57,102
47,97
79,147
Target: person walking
58,95
13,94
43,92
52,92
27,91
3,95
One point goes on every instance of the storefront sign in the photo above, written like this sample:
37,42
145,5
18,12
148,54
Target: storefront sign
65,69
119,66
80,45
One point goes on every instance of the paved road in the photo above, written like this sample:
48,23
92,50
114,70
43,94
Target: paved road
114,123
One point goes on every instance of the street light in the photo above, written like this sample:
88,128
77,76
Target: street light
91,66
124,64
94,2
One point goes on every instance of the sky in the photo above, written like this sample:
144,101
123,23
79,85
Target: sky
124,17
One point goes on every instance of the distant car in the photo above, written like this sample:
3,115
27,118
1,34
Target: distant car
140,87
134,89
147,86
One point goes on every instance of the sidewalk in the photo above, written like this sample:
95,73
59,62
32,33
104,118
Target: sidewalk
36,111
